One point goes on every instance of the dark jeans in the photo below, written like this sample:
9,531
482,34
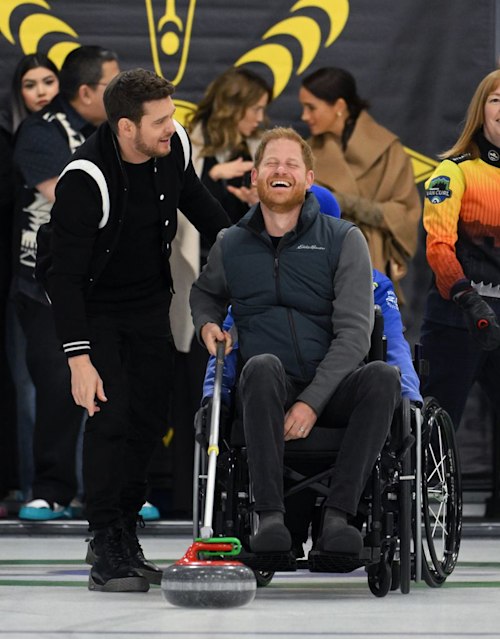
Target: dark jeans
25,396
455,363
58,419
363,403
133,353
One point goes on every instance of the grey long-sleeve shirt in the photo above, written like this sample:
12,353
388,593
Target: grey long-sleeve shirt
317,304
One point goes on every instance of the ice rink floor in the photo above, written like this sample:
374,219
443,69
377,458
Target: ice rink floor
43,593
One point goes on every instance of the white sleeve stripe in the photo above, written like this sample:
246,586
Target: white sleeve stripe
183,136
77,348
95,172
80,342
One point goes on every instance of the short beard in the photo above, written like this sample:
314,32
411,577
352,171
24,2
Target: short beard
147,150
296,198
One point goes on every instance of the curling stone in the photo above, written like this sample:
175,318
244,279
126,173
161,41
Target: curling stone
195,583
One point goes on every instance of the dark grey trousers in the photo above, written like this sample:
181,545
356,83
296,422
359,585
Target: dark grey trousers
364,404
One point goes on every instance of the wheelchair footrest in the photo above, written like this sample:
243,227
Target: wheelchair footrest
335,562
269,561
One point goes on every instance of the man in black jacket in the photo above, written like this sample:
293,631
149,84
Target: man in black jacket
300,286
114,219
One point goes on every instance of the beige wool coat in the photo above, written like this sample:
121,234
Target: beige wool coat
185,257
374,182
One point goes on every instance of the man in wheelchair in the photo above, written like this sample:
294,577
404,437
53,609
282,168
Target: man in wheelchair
301,290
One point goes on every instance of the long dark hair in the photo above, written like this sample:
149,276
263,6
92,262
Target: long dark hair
26,63
330,84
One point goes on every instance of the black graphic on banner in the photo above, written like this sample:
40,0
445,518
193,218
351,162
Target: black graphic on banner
409,59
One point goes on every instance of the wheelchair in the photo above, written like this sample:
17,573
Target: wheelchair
410,513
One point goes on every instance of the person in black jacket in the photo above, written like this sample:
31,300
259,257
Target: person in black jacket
44,143
113,222
34,83
300,286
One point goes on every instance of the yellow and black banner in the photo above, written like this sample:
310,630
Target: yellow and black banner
417,62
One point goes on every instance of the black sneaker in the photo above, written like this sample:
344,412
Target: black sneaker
131,543
112,570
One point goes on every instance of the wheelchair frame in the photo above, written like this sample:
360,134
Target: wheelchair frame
411,508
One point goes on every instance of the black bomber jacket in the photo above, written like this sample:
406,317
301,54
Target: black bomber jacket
91,202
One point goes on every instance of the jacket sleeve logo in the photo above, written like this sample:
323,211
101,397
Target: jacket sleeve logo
439,189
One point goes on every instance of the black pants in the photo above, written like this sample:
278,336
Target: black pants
133,354
364,403
9,478
58,419
455,363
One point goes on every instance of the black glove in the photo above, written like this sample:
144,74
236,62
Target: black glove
480,319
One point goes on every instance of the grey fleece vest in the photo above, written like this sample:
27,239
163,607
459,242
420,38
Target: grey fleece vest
290,290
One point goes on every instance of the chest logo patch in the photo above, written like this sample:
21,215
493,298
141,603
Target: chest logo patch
439,189
310,247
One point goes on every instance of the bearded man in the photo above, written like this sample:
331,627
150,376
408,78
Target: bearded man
300,286
113,222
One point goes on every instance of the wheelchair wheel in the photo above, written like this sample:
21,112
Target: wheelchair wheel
395,575
263,578
380,577
405,503
441,495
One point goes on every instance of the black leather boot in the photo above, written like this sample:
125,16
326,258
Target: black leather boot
112,570
131,543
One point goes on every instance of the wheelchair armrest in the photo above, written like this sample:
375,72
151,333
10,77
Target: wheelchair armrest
378,342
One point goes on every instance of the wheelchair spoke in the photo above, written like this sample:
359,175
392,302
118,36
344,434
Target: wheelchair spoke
438,522
439,466
441,497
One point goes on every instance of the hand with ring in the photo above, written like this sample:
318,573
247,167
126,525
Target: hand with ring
299,420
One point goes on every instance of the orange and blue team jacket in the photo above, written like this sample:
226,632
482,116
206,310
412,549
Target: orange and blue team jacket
462,220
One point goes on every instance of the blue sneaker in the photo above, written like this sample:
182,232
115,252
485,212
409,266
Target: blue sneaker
75,508
149,512
41,510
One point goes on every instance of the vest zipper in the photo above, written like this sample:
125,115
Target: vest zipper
293,332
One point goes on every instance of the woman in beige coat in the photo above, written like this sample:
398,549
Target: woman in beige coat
366,167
